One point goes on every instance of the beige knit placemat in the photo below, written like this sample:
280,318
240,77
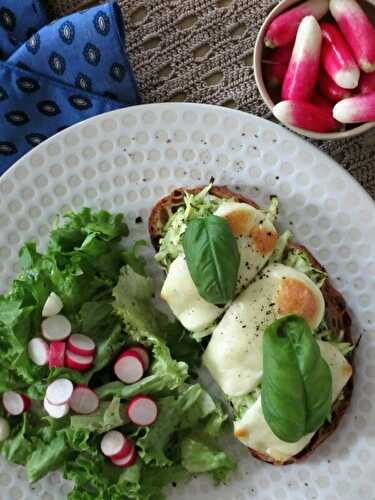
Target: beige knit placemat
201,51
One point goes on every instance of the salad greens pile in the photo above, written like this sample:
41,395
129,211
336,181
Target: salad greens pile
106,295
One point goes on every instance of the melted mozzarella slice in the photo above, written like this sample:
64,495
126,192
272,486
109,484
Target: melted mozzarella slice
234,353
256,239
183,298
253,430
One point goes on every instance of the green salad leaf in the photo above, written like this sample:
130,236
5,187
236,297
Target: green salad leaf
107,296
297,384
212,257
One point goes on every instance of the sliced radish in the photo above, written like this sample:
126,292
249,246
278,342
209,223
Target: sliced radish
143,354
81,344
283,28
357,30
4,429
115,445
128,460
129,367
83,400
142,411
56,355
56,327
55,411
52,306
77,362
38,351
60,391
302,72
15,403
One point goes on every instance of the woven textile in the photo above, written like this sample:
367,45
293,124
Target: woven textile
201,51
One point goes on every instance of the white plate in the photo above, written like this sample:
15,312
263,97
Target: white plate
125,161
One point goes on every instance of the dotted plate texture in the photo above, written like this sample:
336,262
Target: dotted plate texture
125,161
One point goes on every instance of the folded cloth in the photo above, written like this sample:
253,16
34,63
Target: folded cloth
55,75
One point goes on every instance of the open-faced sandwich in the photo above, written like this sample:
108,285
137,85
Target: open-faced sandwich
276,334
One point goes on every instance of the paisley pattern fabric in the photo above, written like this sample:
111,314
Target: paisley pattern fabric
54,75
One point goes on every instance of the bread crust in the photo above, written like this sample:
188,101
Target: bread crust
337,315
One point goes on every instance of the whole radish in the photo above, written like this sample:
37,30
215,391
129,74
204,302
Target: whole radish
276,65
322,102
305,115
357,30
330,89
356,109
337,58
367,83
302,73
283,28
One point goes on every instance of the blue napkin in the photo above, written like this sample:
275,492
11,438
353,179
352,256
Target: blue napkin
54,75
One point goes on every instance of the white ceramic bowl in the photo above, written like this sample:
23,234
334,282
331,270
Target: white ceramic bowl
258,57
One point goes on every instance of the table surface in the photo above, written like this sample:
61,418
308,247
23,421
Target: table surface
201,51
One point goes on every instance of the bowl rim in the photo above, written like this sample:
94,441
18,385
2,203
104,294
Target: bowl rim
258,74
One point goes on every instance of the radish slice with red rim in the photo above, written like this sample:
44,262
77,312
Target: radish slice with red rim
129,367
15,403
128,460
77,362
143,354
38,351
142,411
56,355
114,443
56,327
81,344
60,391
83,401
52,306
55,411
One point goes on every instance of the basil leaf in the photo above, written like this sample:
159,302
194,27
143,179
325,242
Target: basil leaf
212,258
297,382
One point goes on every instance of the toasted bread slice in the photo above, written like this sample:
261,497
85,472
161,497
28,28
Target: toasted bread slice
336,315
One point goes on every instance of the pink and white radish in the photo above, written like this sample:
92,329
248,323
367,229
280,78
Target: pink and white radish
55,411
59,391
4,429
129,367
128,460
302,72
276,65
322,102
305,115
38,351
330,89
356,109
15,403
83,401
142,352
283,28
81,344
115,445
77,362
56,355
142,411
337,58
367,83
52,306
357,30
56,327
